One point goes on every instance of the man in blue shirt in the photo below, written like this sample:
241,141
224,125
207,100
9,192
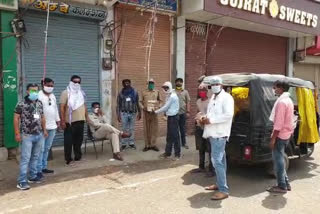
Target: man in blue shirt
171,109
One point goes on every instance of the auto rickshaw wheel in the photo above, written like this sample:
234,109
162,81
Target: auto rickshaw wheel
310,149
270,168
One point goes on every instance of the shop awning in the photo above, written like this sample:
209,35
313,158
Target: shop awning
315,50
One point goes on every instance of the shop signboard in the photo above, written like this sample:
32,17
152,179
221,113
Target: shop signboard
165,5
301,16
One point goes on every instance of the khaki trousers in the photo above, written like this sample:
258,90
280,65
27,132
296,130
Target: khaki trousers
150,124
107,131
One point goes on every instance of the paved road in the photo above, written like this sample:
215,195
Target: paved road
164,186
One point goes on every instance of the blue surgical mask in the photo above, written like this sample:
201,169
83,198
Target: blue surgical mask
33,96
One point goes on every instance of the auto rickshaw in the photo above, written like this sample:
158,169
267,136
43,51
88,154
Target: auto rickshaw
249,142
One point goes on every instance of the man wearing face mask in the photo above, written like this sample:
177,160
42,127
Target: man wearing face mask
100,129
184,111
202,144
128,109
150,101
171,109
282,116
30,131
73,116
51,114
217,128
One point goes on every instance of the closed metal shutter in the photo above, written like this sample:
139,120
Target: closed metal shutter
73,48
131,55
230,51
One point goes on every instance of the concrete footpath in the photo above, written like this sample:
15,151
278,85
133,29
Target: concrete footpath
145,184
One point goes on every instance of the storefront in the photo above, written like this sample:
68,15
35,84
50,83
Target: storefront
73,48
307,60
241,36
137,20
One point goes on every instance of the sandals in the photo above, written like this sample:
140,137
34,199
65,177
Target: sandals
276,189
212,187
219,196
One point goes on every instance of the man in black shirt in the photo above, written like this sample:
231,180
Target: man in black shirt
30,130
127,110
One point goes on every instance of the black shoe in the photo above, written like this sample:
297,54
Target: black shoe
177,157
23,186
133,146
198,170
123,147
164,156
154,148
47,171
37,180
146,149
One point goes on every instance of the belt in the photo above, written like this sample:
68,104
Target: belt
128,112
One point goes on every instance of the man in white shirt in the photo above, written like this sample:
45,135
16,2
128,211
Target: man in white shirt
218,121
171,109
51,114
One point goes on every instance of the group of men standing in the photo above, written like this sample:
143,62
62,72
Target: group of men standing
36,120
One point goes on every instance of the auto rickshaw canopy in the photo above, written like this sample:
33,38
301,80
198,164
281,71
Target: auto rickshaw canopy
262,99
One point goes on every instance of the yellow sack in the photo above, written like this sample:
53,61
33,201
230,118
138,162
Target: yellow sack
308,131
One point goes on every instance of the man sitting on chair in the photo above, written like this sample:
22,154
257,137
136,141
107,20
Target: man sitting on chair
100,130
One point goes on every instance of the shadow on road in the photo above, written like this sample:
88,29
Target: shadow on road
9,184
201,200
247,181
274,202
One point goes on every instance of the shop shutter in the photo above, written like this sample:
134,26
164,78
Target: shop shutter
230,51
131,55
73,48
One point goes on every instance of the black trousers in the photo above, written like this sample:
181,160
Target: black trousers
203,145
182,128
73,137
173,136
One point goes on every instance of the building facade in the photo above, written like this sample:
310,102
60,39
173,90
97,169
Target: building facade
241,36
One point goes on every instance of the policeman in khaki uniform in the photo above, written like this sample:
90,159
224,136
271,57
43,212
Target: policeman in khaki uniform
151,100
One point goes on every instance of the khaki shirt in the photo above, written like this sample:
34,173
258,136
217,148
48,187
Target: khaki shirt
78,114
150,98
96,121
184,98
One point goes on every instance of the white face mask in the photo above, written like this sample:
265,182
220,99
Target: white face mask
96,110
216,89
47,89
74,86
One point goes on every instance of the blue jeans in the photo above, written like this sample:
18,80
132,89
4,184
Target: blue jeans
43,158
128,121
219,161
30,150
278,162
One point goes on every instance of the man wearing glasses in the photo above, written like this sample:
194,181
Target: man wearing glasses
74,113
51,113
30,131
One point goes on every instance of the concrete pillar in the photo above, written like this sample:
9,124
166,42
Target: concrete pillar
181,47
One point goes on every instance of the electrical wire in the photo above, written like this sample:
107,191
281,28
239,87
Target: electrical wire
46,43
